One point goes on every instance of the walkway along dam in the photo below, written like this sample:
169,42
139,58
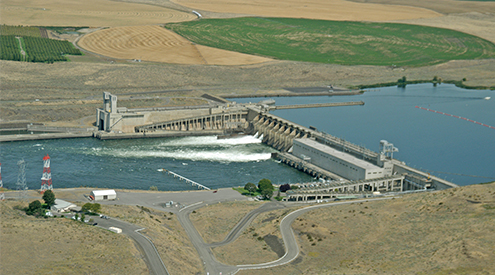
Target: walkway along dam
344,169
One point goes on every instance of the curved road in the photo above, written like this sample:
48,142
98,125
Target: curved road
212,266
151,256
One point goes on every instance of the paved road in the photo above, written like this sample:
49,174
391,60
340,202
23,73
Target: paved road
158,199
246,221
212,266
151,256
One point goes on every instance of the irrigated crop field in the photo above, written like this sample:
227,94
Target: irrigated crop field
336,42
155,43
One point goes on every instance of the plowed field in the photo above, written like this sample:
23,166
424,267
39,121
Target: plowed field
314,9
154,43
91,13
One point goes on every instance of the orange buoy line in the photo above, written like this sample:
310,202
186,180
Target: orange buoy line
463,118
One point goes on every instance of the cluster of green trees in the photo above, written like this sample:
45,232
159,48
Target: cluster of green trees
9,48
48,50
91,207
36,209
37,49
265,188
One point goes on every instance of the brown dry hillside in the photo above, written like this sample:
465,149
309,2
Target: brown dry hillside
62,246
446,232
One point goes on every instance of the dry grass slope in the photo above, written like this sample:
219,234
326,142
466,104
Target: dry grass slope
215,221
447,232
260,243
62,246
169,238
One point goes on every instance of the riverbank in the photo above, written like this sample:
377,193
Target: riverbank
109,136
44,136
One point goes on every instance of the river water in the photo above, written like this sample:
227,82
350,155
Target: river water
452,148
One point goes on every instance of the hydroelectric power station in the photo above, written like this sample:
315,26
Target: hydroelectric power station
344,169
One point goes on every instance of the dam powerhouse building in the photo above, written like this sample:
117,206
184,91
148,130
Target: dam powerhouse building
346,169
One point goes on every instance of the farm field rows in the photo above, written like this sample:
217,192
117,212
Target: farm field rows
336,42
316,9
155,43
90,13
26,44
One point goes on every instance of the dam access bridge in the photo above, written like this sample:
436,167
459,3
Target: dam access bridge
349,167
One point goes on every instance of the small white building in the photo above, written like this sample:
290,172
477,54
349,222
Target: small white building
62,206
103,195
115,229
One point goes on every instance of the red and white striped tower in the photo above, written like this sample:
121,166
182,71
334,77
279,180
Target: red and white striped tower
46,179
2,195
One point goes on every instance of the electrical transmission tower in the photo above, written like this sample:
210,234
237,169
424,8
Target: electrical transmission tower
21,179
46,179
2,195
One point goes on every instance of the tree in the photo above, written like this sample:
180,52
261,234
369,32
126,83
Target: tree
267,193
34,208
265,184
96,207
250,187
284,187
91,207
402,82
49,198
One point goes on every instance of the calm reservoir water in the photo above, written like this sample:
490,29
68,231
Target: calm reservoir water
426,140
445,146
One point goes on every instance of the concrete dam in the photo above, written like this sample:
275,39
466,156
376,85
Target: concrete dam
344,168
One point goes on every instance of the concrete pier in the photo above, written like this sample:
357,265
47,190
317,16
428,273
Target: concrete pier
317,105
26,137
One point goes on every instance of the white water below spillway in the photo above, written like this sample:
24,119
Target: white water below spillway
134,163
207,148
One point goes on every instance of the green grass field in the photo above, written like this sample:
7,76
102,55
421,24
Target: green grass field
336,42
36,48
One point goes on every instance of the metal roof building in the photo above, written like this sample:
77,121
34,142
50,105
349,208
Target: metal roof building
100,195
338,162
62,206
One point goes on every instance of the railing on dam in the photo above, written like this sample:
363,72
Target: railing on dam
280,134
325,190
221,121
